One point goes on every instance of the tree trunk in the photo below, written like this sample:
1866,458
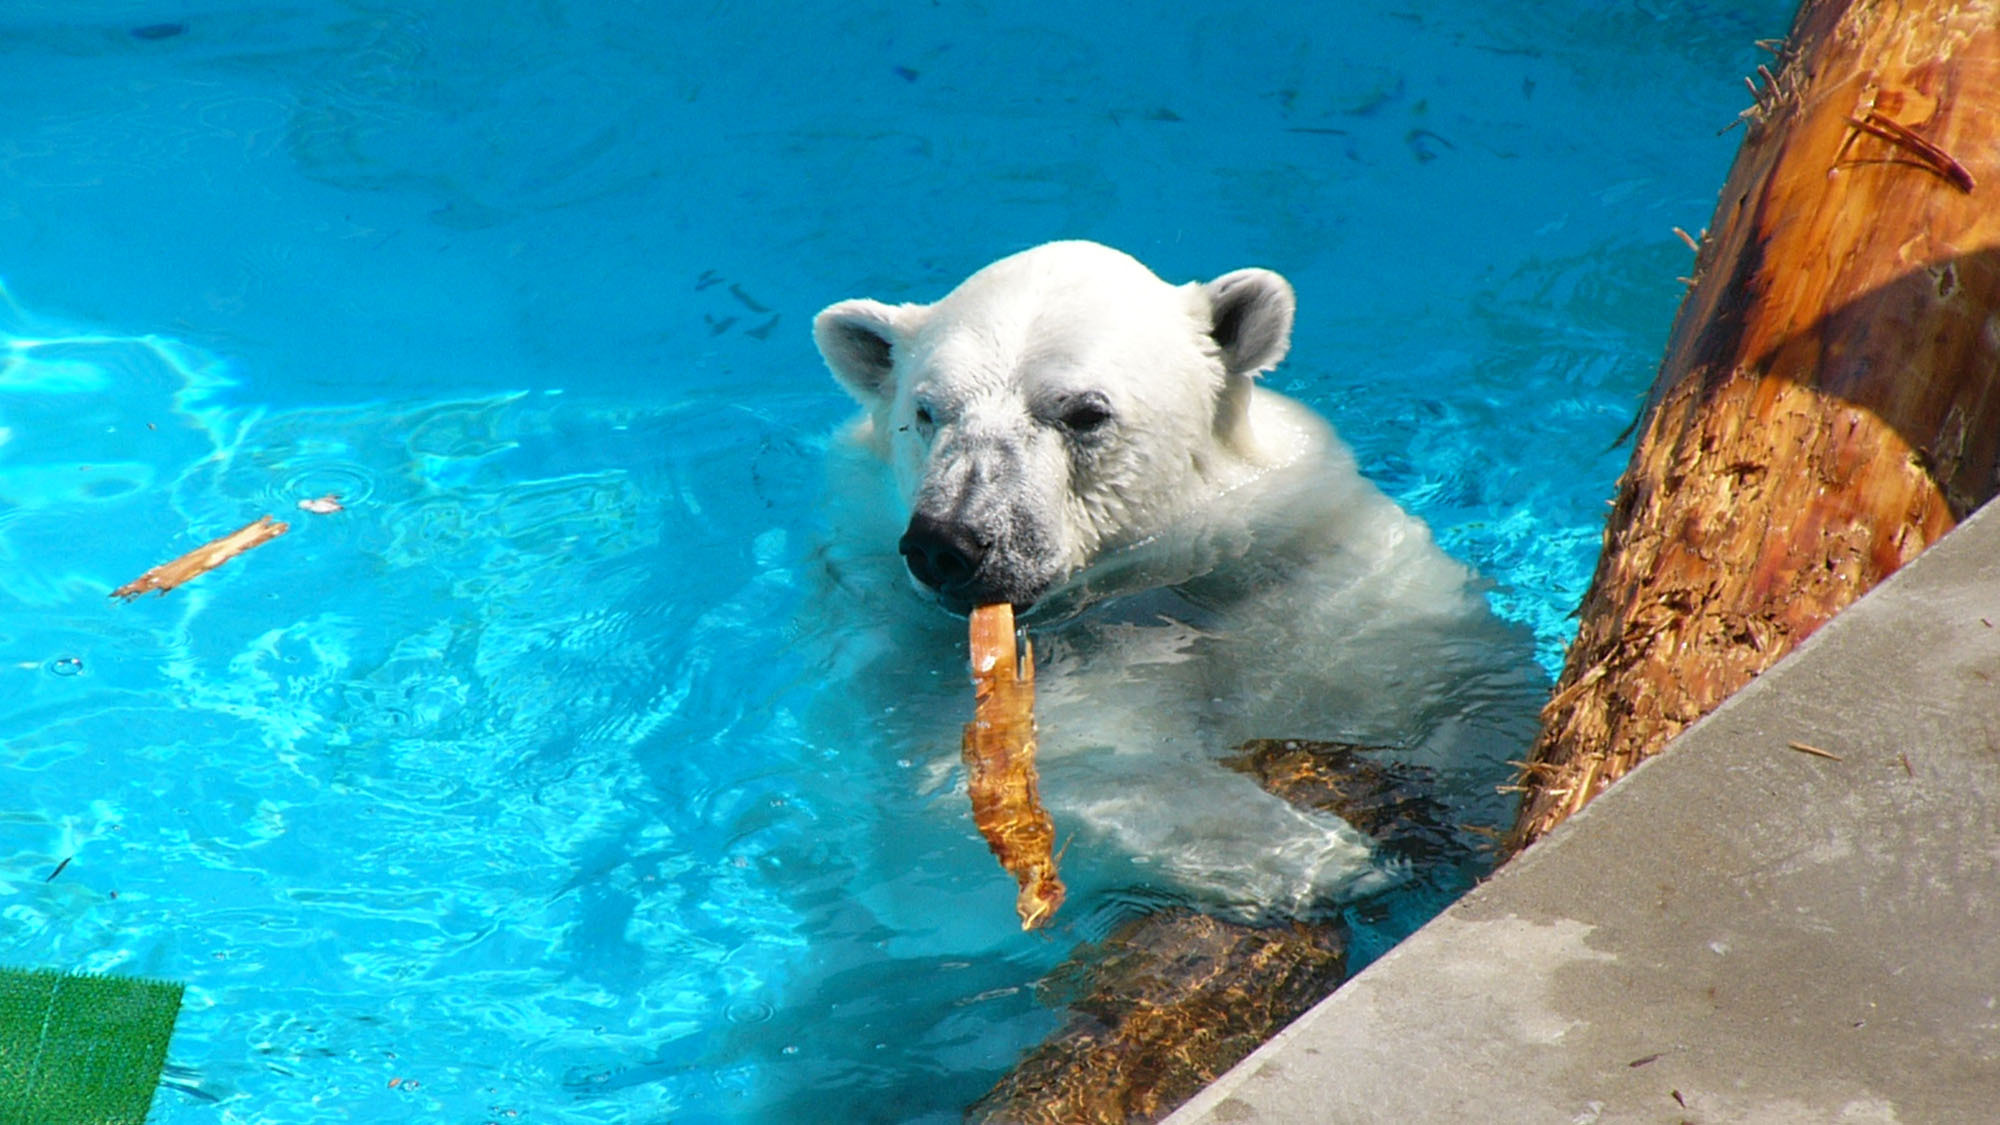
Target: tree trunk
1830,400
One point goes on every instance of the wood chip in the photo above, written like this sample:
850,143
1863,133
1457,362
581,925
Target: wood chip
202,559
999,751
1815,751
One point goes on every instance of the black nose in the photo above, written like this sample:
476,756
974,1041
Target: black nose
941,555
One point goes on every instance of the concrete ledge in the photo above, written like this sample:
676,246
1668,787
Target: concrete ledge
1738,931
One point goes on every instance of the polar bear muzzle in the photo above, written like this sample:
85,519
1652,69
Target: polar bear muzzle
977,561
943,556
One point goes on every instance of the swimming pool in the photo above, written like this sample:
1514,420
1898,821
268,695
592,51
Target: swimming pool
495,796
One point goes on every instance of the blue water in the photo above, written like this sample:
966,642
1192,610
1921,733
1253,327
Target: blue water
498,796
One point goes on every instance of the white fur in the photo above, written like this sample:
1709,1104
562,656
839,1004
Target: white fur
1205,568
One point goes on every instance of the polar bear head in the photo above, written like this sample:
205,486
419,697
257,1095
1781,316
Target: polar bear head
1057,406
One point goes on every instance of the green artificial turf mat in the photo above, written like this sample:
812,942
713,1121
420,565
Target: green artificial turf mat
81,1050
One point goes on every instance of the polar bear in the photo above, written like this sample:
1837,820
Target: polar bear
1196,556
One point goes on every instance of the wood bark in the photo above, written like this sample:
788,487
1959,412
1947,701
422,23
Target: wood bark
1166,1004
1829,404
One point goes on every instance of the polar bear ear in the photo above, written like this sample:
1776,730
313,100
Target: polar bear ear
1250,316
858,339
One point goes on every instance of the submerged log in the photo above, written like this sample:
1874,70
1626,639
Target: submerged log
1166,1004
1829,404
1171,1000
1395,804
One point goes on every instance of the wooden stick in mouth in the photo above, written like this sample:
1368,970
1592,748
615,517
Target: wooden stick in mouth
999,750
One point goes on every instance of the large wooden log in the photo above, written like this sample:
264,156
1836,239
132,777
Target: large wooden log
1830,400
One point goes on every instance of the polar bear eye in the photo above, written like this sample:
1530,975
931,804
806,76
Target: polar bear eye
923,417
1085,413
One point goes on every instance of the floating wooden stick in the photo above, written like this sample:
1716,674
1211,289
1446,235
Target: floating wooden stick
203,559
999,749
